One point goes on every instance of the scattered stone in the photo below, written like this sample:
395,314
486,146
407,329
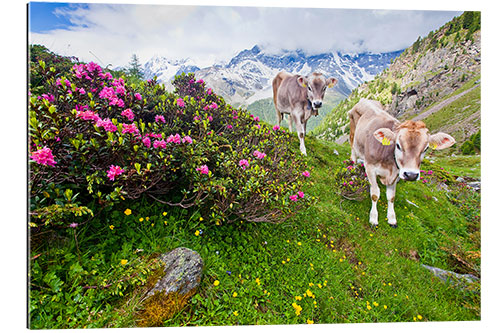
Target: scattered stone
335,152
454,278
182,276
411,203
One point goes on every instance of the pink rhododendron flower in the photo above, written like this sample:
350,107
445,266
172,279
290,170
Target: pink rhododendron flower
257,119
138,96
180,102
203,169
243,163
258,126
118,82
107,124
293,197
187,139
159,118
259,155
276,127
147,142
174,138
128,114
306,174
87,115
196,118
120,90
43,156
130,128
160,144
114,171
48,97
209,91
81,91
200,81
213,106
210,118
300,194
107,92
229,126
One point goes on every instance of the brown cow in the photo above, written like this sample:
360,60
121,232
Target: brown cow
390,150
299,97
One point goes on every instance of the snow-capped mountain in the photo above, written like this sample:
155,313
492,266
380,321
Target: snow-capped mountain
166,69
248,76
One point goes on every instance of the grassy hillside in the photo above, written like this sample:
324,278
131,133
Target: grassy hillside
324,265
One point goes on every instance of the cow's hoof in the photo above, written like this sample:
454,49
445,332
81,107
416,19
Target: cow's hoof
393,226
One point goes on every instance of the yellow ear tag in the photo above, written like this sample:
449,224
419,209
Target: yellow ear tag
304,85
386,141
330,85
434,145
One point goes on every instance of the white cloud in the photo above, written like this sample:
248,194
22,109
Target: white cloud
110,34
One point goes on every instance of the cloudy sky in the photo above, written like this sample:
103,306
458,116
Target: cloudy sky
111,33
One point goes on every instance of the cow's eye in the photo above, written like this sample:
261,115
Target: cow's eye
324,88
398,146
309,88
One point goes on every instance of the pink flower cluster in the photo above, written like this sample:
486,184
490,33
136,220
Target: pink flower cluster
276,127
106,124
180,102
306,174
114,171
203,169
112,95
127,113
159,118
244,163
130,128
48,97
88,115
211,106
295,197
160,144
259,155
43,156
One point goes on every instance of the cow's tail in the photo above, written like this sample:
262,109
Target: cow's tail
276,83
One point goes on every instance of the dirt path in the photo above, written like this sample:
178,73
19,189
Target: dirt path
444,103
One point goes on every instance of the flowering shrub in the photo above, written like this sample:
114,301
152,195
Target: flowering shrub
352,181
105,140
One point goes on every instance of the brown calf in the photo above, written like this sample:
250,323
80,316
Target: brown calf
299,97
389,149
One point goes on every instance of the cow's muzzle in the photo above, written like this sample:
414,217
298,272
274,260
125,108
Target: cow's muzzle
317,104
411,176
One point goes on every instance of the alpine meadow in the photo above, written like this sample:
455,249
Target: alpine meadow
156,204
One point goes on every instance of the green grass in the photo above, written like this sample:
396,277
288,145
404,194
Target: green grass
326,259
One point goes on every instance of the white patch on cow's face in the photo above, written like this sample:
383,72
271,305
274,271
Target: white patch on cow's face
408,158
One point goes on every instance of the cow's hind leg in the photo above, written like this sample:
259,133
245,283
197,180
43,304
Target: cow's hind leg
374,194
391,196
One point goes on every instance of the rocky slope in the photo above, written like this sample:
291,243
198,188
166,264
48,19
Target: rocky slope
440,73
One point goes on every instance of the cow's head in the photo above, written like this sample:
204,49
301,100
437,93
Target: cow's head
411,140
316,85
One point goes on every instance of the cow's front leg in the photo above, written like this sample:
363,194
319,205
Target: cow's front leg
391,196
374,194
300,133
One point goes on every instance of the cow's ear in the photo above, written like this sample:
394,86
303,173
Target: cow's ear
331,82
385,136
302,81
441,141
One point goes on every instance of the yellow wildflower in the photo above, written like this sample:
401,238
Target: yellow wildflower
311,284
299,243
419,317
257,280
235,294
298,298
216,283
123,261
385,307
283,262
235,313
197,233
164,213
297,308
111,227
375,303
201,218
141,219
309,293
287,259
127,211
368,307
310,321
